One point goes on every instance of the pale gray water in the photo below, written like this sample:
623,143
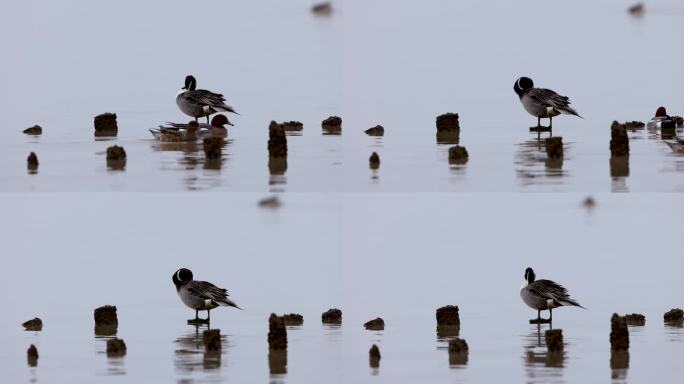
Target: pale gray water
395,243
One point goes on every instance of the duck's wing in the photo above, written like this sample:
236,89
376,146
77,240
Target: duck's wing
549,98
204,97
207,290
551,290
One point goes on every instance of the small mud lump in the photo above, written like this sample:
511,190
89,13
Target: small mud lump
554,340
213,147
635,319
374,161
32,355
448,315
35,130
448,122
619,141
270,202
332,125
32,161
458,155
619,334
554,148
277,141
277,333
116,157
106,321
293,126
116,347
34,324
378,130
377,324
212,339
293,319
105,124
458,345
675,315
332,316
374,356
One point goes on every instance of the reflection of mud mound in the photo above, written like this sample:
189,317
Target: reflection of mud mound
619,166
377,324
448,331
458,352
277,165
213,148
635,319
332,316
105,125
34,324
619,334
554,148
32,356
554,340
211,339
106,321
619,363
374,356
277,362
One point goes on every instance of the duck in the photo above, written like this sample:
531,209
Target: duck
200,295
176,134
661,120
200,102
217,128
541,102
544,294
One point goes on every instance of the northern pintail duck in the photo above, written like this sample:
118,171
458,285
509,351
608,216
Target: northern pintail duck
200,102
661,120
176,134
544,294
200,295
541,102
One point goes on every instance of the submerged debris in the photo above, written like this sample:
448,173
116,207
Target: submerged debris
332,316
619,141
377,324
378,130
213,147
458,155
116,157
448,128
277,332
448,315
322,9
374,356
637,9
293,126
277,141
36,130
554,340
589,202
374,161
293,319
332,125
105,125
619,335
674,315
32,162
212,339
554,148
270,202
32,355
106,321
34,324
116,347
635,319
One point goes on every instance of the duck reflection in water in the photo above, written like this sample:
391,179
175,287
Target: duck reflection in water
191,354
541,365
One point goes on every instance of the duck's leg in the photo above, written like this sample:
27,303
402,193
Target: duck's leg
196,314
207,120
550,314
538,121
195,119
208,314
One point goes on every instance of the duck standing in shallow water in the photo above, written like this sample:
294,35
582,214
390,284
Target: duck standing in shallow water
541,102
200,295
544,294
176,135
200,102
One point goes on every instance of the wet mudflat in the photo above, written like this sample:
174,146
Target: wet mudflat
393,242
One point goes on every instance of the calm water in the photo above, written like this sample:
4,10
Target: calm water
395,243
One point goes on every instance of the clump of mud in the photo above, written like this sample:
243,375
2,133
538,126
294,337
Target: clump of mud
32,355
448,128
332,316
116,157
674,316
635,319
374,161
458,155
458,351
619,141
35,324
589,202
637,9
374,356
32,162
332,125
554,148
277,141
277,332
619,334
293,126
293,319
36,130
106,321
322,9
213,147
270,202
116,347
554,340
377,324
378,130
212,339
448,315
105,125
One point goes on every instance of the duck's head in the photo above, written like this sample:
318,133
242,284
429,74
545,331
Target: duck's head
529,275
181,277
190,83
220,121
661,112
522,84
